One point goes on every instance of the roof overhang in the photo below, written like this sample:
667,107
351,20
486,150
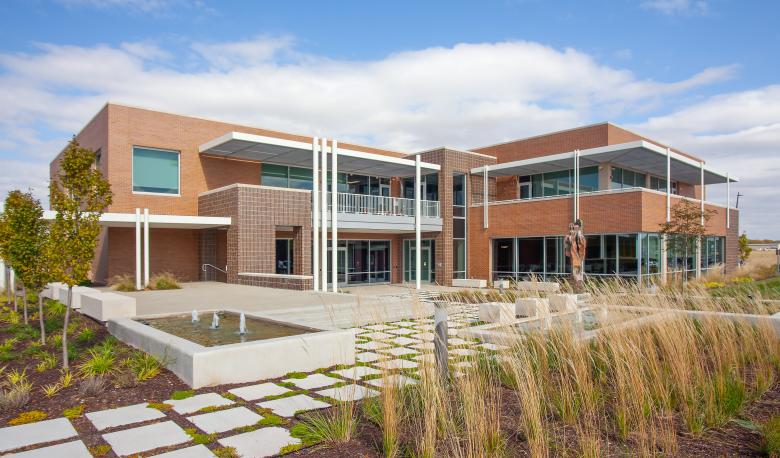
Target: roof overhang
157,221
272,150
639,155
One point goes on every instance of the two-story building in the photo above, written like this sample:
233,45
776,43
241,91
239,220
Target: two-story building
210,200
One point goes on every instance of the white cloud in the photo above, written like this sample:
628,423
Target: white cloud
738,132
461,96
674,7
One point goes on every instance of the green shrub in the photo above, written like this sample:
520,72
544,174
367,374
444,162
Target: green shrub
183,394
771,437
101,362
164,280
92,386
123,282
28,417
144,365
85,336
74,412
336,427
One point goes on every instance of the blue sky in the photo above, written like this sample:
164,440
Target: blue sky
700,75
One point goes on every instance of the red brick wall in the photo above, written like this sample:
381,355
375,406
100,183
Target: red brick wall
170,250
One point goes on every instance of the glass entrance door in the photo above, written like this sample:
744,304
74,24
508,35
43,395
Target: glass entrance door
426,260
361,262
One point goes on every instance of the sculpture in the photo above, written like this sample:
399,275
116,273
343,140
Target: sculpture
574,248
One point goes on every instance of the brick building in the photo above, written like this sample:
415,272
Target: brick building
209,200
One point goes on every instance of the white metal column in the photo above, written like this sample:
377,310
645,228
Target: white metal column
728,201
664,241
324,215
576,184
334,226
138,249
701,211
485,198
146,247
315,215
417,225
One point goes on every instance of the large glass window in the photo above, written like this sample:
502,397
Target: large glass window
362,261
503,256
589,179
627,254
530,255
459,225
155,171
558,183
624,179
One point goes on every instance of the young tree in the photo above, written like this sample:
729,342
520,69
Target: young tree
744,248
685,227
79,194
27,234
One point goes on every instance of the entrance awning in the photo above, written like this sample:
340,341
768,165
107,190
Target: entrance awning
639,155
157,221
272,150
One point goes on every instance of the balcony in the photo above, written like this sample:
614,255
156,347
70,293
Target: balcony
366,212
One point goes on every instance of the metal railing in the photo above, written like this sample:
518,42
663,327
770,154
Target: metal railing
382,205
211,272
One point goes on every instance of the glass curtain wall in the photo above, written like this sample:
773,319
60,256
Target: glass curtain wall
362,261
558,183
283,176
623,255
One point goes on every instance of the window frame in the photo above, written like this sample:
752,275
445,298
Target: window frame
152,193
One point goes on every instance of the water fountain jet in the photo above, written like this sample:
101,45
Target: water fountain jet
195,317
242,324
215,321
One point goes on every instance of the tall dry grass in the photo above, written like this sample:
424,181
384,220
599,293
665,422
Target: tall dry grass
565,392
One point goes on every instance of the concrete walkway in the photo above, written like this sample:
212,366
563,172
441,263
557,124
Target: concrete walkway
360,305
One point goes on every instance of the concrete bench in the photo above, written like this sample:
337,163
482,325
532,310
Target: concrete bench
496,312
532,307
469,283
105,306
563,303
78,292
501,284
52,290
539,286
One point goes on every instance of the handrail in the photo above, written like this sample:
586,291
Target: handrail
203,268
383,205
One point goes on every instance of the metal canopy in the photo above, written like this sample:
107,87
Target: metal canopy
640,155
272,150
156,221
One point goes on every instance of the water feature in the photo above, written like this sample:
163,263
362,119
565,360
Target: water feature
195,317
242,324
225,328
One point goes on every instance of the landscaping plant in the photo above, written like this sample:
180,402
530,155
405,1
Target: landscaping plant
79,194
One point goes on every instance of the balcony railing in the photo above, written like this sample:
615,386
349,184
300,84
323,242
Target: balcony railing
381,205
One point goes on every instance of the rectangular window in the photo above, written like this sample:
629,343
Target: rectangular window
300,178
459,225
274,175
155,171
589,179
284,256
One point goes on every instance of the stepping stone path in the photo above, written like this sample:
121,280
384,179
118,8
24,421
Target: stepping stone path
196,451
104,419
225,420
197,402
382,345
368,357
286,407
399,351
144,438
313,381
255,392
75,449
20,436
357,372
395,380
348,392
261,442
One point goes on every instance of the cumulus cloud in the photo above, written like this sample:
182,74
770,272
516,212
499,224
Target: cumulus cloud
738,132
462,96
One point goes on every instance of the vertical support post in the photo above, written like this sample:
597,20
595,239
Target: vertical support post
728,201
701,203
315,215
324,214
664,239
138,249
576,184
417,225
334,226
485,197
440,338
146,247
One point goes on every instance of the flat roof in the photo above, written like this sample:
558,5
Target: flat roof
272,150
638,155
